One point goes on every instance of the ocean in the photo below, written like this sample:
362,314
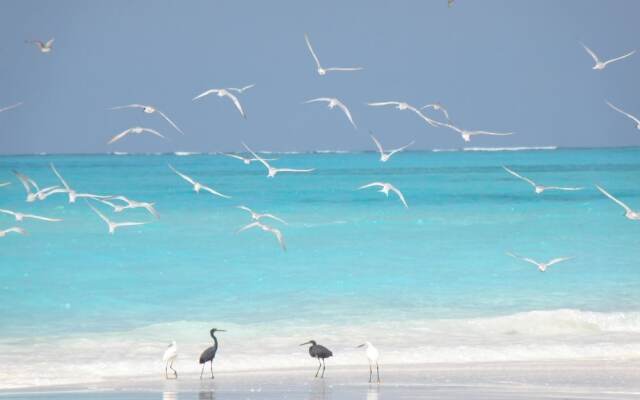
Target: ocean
427,284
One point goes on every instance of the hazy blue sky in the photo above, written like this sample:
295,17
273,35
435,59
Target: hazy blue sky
497,65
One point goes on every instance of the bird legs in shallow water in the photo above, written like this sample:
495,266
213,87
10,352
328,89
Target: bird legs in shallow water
166,373
201,372
371,372
322,365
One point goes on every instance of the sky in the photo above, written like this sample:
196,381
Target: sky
514,66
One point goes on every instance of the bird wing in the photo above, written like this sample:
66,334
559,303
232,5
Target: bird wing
53,190
344,69
163,115
10,107
212,191
150,207
491,133
347,113
234,156
383,103
128,106
16,229
318,99
107,202
452,127
25,180
558,260
64,183
378,145
294,170
313,53
5,184
257,157
7,212
621,204
275,218
183,176
399,193
637,121
394,151
152,131
619,58
517,175
249,226
42,218
368,185
279,236
563,188
240,90
237,103
119,136
119,224
205,93
245,208
524,259
101,215
591,53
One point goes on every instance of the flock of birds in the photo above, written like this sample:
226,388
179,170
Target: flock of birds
120,203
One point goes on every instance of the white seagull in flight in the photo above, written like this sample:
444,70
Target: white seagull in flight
272,171
332,103
466,135
137,130
247,160
401,105
600,64
149,110
10,107
266,228
242,89
539,188
197,186
39,194
323,71
20,216
223,93
114,225
44,47
541,266
385,156
636,120
15,229
385,188
150,207
257,216
628,212
73,195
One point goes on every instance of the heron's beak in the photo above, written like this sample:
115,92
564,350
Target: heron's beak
305,343
362,345
221,330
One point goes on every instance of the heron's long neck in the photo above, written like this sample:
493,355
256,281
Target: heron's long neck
215,341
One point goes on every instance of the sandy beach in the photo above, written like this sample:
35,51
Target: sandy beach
551,380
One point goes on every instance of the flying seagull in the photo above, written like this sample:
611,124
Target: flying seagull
541,266
150,207
266,228
149,110
15,229
257,216
628,212
401,105
242,89
113,225
600,64
10,107
385,187
136,130
73,195
246,160
323,71
20,216
385,156
438,107
466,135
44,47
332,103
636,120
197,186
272,171
223,93
539,188
39,194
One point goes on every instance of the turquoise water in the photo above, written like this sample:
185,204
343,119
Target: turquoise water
354,258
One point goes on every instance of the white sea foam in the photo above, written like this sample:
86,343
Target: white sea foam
186,153
533,148
567,335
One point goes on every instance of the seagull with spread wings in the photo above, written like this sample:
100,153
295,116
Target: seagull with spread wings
385,187
323,71
147,109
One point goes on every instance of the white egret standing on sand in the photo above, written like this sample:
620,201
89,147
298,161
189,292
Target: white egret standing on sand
169,357
372,356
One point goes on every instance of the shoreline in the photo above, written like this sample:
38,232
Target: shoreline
599,379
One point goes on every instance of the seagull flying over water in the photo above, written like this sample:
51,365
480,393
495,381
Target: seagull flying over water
113,225
150,207
636,120
466,135
20,216
539,188
136,130
223,93
15,229
246,160
600,64
39,194
384,157
73,195
401,105
10,107
266,228
333,102
273,171
257,216
44,47
385,187
628,212
323,71
541,266
149,110
197,186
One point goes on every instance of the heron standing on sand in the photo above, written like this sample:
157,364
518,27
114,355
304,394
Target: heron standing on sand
319,352
210,353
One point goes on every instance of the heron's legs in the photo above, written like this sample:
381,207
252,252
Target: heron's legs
211,364
323,368
202,372
174,371
370,372
378,371
319,366
166,374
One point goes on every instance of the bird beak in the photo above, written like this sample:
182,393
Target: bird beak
305,343
220,330
362,345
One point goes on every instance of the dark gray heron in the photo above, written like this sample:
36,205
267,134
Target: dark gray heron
210,353
320,352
